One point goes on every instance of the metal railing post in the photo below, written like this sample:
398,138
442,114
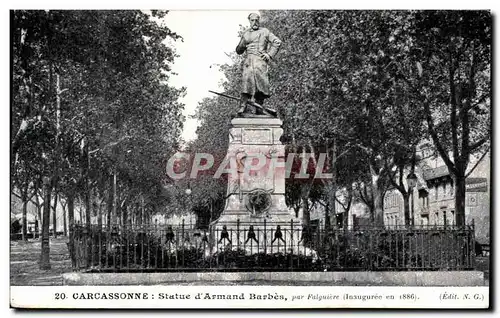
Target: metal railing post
238,234
265,236
183,240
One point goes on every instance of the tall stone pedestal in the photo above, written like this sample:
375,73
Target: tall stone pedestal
256,192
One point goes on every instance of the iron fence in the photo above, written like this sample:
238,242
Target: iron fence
290,247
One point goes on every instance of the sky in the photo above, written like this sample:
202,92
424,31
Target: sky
208,36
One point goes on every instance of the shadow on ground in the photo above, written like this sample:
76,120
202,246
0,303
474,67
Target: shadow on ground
24,259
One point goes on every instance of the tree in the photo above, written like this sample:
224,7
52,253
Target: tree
208,194
453,56
22,181
89,86
336,72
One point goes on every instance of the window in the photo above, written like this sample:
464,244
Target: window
444,191
445,221
452,218
425,219
436,192
436,220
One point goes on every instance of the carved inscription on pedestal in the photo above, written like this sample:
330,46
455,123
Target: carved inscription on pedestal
257,136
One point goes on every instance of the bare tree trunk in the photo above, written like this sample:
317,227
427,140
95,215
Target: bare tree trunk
141,211
306,215
305,190
24,196
71,221
348,207
345,220
405,193
58,131
109,204
39,213
80,215
125,214
333,193
88,207
45,253
296,208
328,225
65,224
406,205
378,200
114,216
378,196
119,216
211,211
54,215
460,193
99,216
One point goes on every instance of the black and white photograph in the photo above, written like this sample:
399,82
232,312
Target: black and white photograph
247,159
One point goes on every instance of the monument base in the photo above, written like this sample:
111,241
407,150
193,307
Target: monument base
255,217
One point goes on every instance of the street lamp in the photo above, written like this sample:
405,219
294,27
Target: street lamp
411,180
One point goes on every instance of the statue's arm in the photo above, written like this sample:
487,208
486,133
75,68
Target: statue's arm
274,45
242,46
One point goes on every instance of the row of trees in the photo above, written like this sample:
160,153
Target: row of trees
93,118
367,87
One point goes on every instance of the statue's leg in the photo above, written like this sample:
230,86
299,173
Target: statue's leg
259,98
243,102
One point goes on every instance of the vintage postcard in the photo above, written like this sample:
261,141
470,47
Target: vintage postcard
250,159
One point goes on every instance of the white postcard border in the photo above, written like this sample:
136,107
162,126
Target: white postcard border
196,296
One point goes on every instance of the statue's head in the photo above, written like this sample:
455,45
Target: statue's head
254,20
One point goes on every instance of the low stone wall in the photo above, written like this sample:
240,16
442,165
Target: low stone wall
434,278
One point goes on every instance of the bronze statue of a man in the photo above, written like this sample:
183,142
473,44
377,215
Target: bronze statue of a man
261,46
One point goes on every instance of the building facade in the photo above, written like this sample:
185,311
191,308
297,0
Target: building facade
432,201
